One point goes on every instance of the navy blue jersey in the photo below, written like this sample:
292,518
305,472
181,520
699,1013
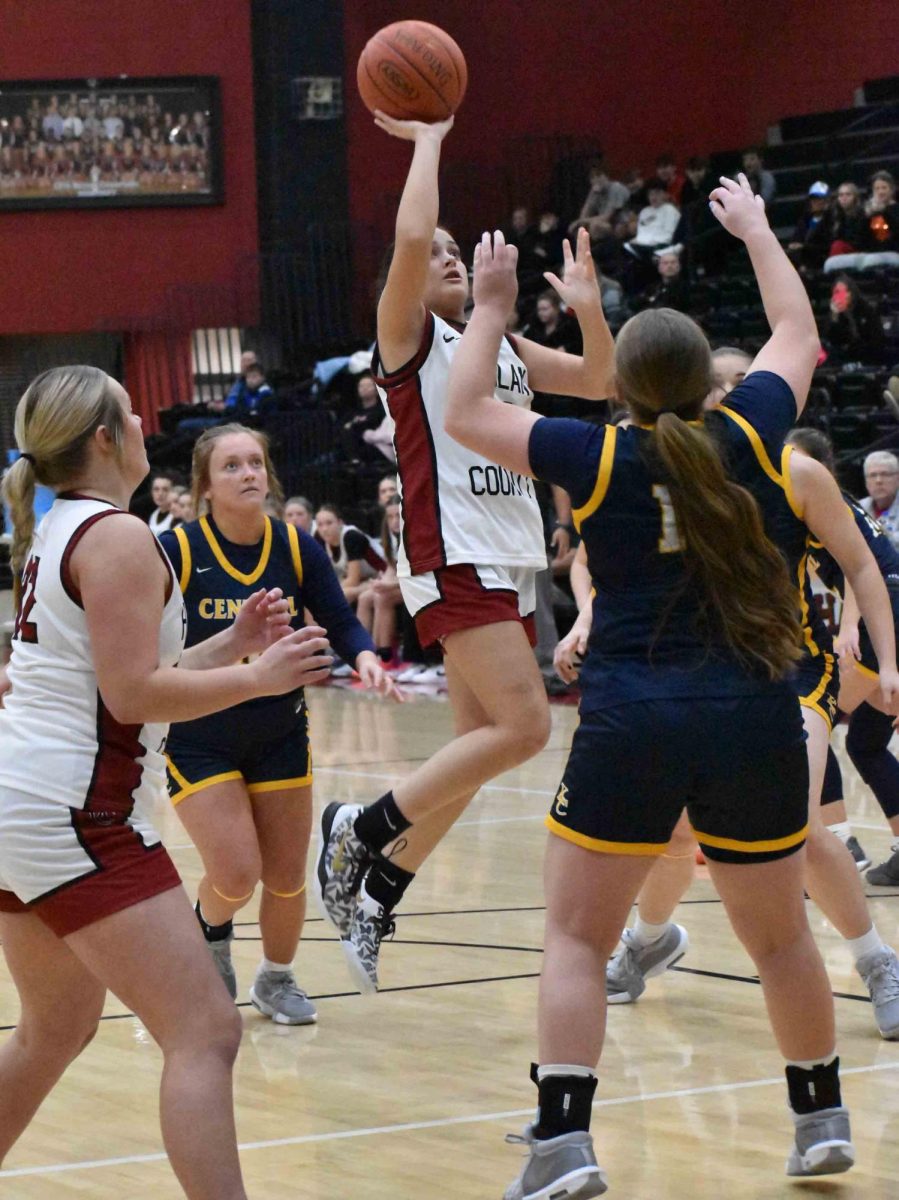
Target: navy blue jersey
881,547
217,576
654,634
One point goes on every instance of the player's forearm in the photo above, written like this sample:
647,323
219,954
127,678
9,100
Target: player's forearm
582,587
850,615
598,370
874,605
169,694
783,292
419,209
473,372
221,650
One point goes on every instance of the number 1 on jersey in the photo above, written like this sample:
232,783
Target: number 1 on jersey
670,541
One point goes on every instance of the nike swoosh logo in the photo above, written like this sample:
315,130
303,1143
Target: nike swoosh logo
200,570
390,823
449,337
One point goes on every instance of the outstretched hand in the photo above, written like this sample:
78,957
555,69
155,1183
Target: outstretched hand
411,131
738,209
263,618
495,281
578,286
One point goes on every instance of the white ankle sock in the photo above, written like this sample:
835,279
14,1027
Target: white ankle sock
564,1069
275,968
868,943
644,933
811,1063
842,829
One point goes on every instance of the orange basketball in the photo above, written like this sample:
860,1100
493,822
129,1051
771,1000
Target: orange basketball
412,71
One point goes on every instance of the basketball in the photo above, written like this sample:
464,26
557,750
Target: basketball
412,71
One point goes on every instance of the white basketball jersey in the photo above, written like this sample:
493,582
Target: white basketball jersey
57,738
457,506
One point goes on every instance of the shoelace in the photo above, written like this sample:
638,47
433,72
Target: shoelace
518,1139
885,975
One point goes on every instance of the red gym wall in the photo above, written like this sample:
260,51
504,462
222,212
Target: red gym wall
67,272
643,77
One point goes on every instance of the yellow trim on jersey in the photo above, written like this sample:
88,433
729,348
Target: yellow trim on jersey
803,607
825,716
756,442
811,700
278,785
866,671
223,561
184,546
188,789
785,456
603,475
604,847
294,539
763,847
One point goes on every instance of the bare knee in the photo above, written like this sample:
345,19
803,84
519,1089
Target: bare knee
64,1039
529,729
213,1028
238,880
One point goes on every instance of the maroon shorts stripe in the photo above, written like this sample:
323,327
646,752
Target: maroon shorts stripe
10,903
466,604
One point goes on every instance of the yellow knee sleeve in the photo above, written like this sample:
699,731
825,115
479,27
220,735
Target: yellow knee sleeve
230,899
286,895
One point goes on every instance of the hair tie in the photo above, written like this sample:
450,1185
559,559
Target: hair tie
29,458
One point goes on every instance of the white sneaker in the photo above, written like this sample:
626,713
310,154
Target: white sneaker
344,671
431,675
408,673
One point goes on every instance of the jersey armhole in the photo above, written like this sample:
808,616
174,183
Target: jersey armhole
603,477
293,539
65,567
184,547
415,363
785,458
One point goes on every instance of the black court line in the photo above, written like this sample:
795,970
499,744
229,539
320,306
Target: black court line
422,942
376,762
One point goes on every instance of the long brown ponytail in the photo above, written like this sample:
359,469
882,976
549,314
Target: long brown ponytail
663,365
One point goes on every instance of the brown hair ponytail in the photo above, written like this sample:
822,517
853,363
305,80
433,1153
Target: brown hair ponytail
725,548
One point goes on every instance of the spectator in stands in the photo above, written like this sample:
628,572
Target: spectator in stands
183,508
882,483
256,393
367,415
810,243
548,242
175,495
669,290
160,518
605,199
381,439
387,489
356,558
880,234
234,399
608,253
525,236
614,305
656,225
852,332
698,183
377,606
667,171
761,181
298,511
848,221
552,327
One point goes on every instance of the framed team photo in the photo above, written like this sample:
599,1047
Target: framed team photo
107,143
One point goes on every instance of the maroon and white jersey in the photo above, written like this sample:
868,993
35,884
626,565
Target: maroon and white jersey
57,738
457,506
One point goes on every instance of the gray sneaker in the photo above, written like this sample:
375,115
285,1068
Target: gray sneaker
557,1168
887,873
880,973
342,860
276,995
823,1144
221,956
361,948
861,859
630,966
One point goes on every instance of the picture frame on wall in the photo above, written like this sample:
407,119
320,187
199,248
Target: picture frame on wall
110,143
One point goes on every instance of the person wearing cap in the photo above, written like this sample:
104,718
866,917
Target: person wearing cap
809,245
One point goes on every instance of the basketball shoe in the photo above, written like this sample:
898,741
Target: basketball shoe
880,972
362,945
861,859
886,874
823,1143
342,861
557,1168
631,965
276,995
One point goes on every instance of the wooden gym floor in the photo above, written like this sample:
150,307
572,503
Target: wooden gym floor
409,1094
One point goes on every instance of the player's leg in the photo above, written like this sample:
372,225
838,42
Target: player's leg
219,821
283,820
60,1005
867,741
833,811
152,957
832,881
391,874
765,905
384,621
654,943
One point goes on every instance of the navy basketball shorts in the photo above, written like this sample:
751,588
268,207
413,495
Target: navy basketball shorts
868,662
817,683
738,764
263,765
